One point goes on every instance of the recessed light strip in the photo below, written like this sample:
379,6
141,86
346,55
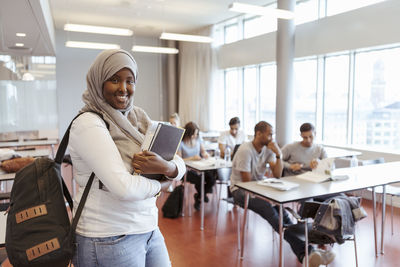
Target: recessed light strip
91,45
155,49
186,37
97,29
260,10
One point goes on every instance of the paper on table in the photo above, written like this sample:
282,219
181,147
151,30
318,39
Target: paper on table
278,184
320,174
204,162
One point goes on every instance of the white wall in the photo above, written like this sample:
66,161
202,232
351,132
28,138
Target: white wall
373,25
73,64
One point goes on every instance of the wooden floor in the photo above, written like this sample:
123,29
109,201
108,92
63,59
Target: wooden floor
190,247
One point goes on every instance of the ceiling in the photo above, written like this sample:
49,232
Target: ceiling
39,18
145,17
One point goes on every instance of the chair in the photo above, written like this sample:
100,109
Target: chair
304,229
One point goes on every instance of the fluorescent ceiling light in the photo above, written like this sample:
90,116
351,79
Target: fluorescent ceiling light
20,34
19,44
186,37
155,49
260,10
97,29
91,45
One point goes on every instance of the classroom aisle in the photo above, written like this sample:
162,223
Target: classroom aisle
188,246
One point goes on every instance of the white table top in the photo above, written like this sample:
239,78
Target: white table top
334,152
7,176
34,153
208,164
359,178
3,223
29,143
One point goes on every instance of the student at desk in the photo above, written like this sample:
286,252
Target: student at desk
175,120
232,137
249,164
299,157
191,148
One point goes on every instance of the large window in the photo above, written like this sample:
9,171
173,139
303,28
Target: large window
231,33
376,120
258,25
233,95
244,26
306,11
336,100
339,6
28,105
268,93
305,89
250,98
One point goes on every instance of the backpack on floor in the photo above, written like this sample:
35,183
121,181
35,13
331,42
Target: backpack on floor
172,207
39,231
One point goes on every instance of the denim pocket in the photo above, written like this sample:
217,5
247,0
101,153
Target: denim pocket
111,240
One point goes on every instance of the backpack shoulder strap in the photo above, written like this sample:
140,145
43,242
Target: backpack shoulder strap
60,156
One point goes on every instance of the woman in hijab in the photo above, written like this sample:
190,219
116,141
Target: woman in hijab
118,225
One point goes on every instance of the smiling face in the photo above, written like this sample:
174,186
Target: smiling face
119,89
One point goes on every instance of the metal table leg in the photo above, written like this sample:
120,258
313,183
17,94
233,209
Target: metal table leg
281,260
374,215
202,202
246,204
184,195
383,218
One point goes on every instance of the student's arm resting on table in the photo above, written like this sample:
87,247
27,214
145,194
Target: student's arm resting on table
91,140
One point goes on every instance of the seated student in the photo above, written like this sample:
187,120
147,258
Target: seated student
175,120
191,148
232,137
302,156
249,164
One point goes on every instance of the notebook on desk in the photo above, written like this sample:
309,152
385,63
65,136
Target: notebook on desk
278,184
323,173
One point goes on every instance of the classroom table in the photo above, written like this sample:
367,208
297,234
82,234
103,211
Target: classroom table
334,152
202,166
361,177
50,142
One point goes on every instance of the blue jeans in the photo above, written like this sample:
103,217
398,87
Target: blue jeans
271,214
138,250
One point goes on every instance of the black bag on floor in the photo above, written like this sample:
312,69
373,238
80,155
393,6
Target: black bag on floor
39,231
172,207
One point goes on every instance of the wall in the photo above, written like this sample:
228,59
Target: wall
373,25
73,64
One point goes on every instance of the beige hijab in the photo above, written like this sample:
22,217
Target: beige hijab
132,121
